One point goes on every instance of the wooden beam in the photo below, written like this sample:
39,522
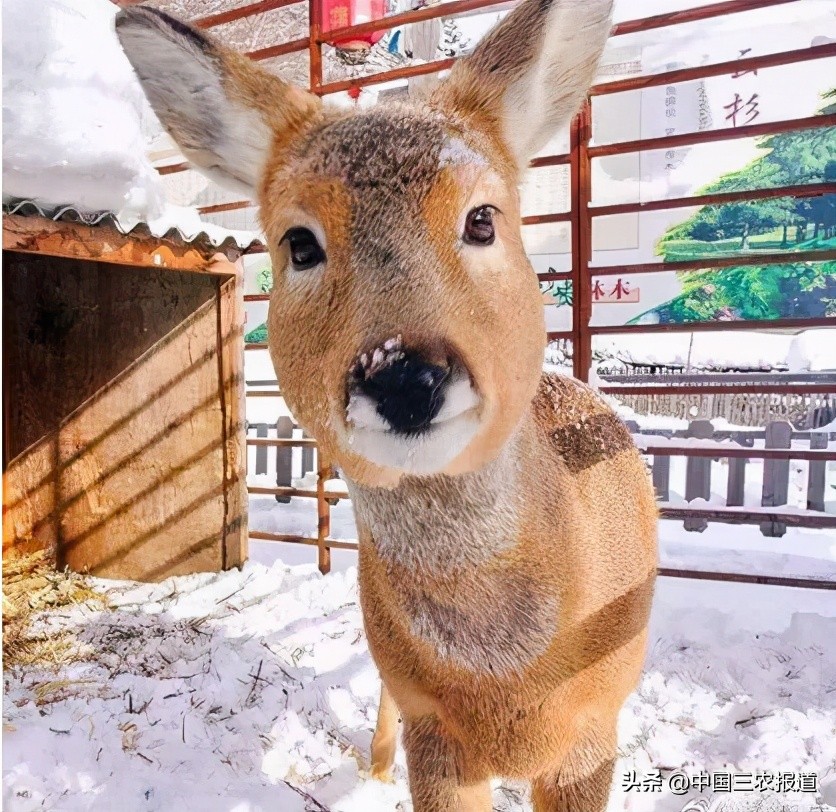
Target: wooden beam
282,442
234,205
710,262
726,451
170,169
541,219
708,326
803,190
550,160
712,136
778,388
105,243
386,76
285,48
715,69
747,578
248,10
690,15
290,538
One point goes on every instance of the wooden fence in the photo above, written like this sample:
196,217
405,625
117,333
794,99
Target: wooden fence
807,400
701,446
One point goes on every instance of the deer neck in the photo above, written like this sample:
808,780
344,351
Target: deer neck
442,524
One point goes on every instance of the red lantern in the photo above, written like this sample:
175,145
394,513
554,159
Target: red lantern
343,13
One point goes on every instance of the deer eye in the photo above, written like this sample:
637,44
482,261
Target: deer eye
478,227
305,251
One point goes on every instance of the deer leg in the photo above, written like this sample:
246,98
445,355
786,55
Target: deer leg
385,736
439,778
581,783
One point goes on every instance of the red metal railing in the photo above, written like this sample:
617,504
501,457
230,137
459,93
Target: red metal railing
582,152
582,211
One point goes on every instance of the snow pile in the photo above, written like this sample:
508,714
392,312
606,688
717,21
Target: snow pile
73,110
709,350
254,690
812,351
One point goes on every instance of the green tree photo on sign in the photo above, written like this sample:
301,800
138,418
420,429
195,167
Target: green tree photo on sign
264,280
791,224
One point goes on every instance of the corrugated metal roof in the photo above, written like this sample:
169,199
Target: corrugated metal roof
210,239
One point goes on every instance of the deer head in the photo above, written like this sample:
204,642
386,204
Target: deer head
406,324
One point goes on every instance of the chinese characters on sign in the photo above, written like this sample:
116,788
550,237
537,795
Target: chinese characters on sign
746,111
618,292
556,293
672,160
742,111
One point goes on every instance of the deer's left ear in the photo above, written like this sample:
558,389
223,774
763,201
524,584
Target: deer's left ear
224,111
528,76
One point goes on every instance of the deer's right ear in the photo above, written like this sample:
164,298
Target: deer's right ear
529,75
223,111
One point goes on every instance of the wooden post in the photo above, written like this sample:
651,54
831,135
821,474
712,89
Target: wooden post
308,464
776,475
661,477
261,451
314,46
233,404
580,181
698,473
816,473
736,490
323,510
284,457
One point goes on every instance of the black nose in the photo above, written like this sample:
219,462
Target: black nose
408,391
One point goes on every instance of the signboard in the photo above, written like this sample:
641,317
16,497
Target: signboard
741,98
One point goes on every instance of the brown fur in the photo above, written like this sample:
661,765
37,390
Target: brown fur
506,595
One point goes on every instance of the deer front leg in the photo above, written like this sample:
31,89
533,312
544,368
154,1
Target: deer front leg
440,779
385,737
581,783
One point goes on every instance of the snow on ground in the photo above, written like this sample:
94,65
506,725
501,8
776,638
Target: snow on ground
251,690
809,350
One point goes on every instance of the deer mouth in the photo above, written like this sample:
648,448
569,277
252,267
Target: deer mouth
407,411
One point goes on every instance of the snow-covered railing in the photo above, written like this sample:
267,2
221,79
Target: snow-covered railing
807,405
781,445
700,447
323,490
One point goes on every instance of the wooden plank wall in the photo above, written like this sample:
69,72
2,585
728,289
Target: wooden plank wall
125,423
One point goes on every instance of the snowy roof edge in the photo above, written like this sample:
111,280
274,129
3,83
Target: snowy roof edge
202,240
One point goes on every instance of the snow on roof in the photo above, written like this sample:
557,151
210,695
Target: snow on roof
77,128
73,111
177,223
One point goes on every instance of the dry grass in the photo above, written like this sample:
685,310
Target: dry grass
32,585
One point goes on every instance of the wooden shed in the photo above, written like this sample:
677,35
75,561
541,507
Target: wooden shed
123,413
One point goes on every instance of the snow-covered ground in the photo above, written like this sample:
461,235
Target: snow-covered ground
808,350
254,690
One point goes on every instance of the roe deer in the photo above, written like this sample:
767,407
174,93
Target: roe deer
507,524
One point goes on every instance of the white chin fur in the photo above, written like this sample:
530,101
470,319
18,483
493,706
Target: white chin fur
455,425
